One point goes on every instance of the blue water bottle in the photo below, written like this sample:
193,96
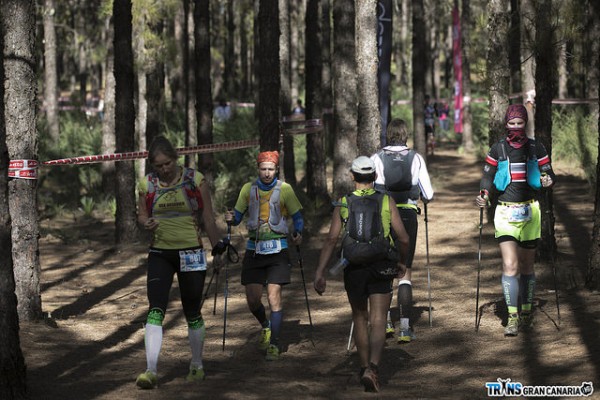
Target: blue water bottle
338,266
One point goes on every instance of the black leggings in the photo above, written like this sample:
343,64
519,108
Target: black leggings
162,265
411,224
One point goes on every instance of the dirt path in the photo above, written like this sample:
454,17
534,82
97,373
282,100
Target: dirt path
91,347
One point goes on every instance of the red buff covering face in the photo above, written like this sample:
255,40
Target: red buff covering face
516,119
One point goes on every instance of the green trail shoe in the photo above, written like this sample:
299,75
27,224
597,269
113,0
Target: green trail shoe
272,353
526,323
195,375
146,380
405,336
389,329
265,338
512,326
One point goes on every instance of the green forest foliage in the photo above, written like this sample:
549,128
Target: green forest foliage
72,187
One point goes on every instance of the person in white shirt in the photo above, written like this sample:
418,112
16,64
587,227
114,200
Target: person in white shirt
402,174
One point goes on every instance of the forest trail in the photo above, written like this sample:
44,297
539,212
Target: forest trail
91,346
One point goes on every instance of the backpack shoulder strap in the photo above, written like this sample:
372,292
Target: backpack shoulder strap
190,189
152,184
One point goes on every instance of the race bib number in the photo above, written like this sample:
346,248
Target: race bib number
519,213
192,260
268,246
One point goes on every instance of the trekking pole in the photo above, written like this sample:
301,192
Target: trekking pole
208,287
547,194
305,292
478,267
350,337
226,290
428,269
216,292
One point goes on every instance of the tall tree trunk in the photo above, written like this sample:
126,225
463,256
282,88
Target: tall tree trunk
546,79
204,103
592,278
245,52
514,40
155,77
497,67
229,72
268,76
141,64
295,11
419,57
369,118
12,364
22,141
126,221
108,120
345,113
528,33
316,179
465,31
50,71
289,169
326,85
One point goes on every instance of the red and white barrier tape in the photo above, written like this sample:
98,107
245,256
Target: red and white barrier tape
27,169
24,169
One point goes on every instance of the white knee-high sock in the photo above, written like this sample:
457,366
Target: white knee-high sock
196,337
153,340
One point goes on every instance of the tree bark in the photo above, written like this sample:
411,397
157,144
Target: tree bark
109,140
22,141
268,75
316,180
204,103
345,113
465,30
13,382
527,48
126,221
498,78
369,118
419,57
289,169
592,279
50,71
546,80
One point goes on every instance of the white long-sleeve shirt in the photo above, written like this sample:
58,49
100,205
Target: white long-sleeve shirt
418,170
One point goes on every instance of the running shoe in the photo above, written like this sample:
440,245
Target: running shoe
195,375
265,338
405,336
272,353
146,380
512,326
526,322
370,380
389,329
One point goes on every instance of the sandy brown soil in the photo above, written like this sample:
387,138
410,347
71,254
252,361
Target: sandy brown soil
91,346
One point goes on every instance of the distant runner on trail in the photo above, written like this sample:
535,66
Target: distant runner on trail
174,203
517,167
269,203
402,174
367,218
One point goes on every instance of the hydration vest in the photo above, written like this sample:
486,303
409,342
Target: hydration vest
503,175
276,221
191,193
397,174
